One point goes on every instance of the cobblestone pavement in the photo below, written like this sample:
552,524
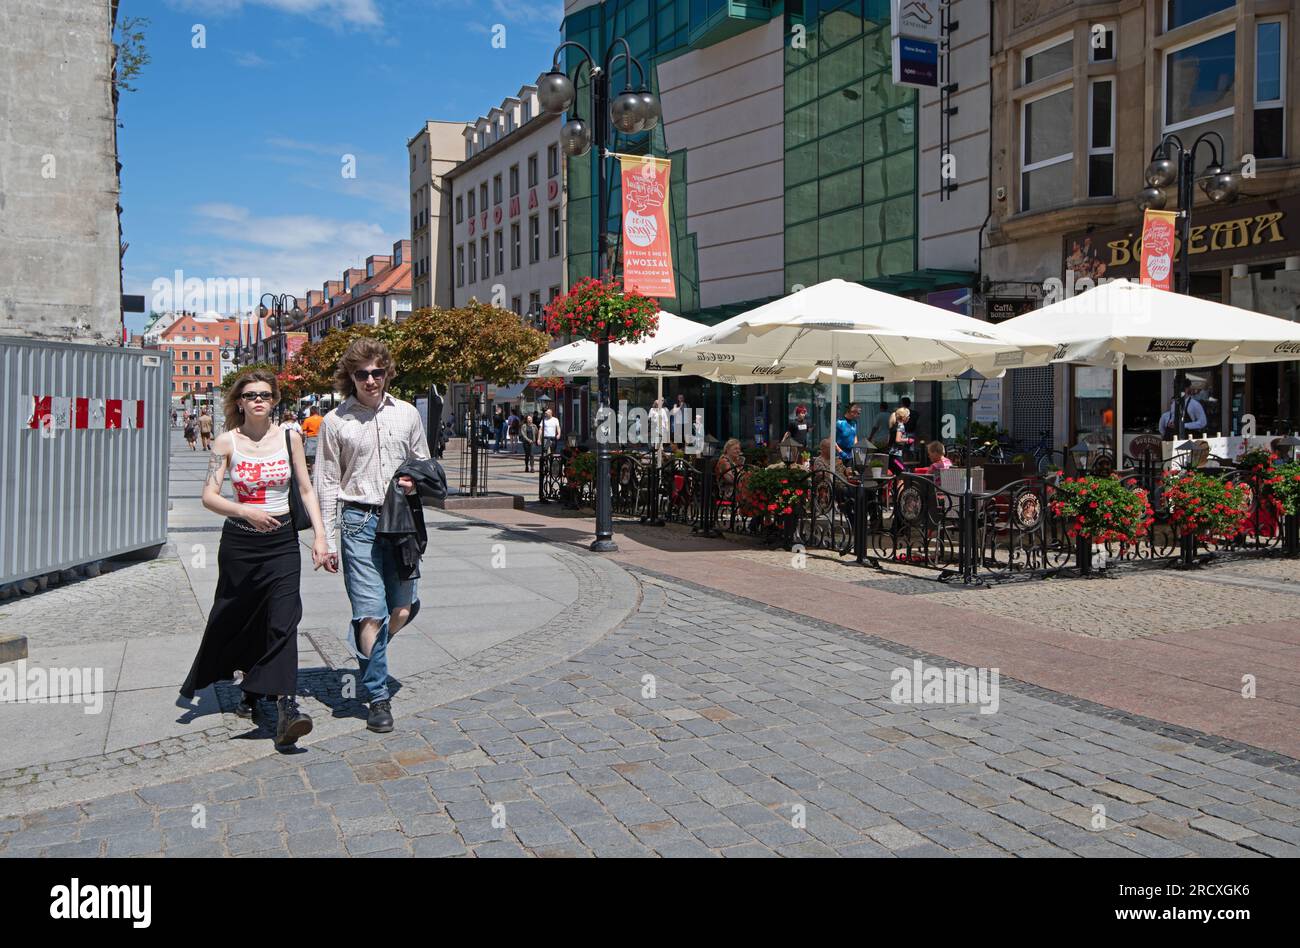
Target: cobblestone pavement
765,734
112,604
1154,601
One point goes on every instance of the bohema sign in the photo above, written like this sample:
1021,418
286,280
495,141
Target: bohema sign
1219,238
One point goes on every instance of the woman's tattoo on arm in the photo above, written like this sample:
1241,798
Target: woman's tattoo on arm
216,469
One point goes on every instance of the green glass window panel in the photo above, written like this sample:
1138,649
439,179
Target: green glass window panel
839,26
840,191
839,109
801,125
667,21
805,52
899,217
839,151
801,86
844,266
637,10
873,181
840,67
876,52
801,203
801,274
900,128
900,172
873,141
873,224
839,232
898,257
800,164
801,241
639,40
870,263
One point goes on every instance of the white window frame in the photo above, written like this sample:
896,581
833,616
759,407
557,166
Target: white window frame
1108,26
1047,162
1279,102
1042,47
1097,150
1166,128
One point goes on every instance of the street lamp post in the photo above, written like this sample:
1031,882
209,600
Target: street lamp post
1172,162
970,386
277,310
629,112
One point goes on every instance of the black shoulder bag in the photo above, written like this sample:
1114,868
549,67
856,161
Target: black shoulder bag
297,509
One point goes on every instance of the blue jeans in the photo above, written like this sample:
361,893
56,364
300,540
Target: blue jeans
375,590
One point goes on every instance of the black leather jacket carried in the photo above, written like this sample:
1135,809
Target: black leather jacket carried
401,518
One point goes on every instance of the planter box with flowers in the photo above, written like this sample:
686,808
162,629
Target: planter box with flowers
1100,510
602,311
1287,487
772,492
1203,506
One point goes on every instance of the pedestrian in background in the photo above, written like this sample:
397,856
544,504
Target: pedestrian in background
528,437
363,443
846,432
205,429
550,432
253,625
310,436
191,432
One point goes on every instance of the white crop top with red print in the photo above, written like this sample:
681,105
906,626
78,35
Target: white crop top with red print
261,481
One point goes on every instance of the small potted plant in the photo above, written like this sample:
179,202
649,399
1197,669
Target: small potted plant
602,311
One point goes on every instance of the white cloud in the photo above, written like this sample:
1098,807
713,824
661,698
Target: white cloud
356,13
250,60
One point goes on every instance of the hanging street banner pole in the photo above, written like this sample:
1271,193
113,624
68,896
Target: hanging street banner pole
647,236
1158,241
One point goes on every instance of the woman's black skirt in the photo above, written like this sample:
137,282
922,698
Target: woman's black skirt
253,626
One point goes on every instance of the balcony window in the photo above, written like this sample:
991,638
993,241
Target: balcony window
532,171
473,262
1181,12
1101,138
1048,59
1047,150
486,258
1200,85
1270,89
534,239
514,180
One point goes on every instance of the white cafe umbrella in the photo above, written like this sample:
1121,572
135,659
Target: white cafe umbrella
860,330
1121,324
626,360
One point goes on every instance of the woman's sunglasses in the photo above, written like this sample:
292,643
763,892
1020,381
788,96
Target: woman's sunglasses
256,396
362,374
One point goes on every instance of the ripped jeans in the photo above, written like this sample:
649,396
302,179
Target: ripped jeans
375,590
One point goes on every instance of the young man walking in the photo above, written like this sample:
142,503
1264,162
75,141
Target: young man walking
362,444
205,429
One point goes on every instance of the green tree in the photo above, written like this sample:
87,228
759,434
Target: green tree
131,55
437,346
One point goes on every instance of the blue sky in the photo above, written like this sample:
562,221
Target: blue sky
232,153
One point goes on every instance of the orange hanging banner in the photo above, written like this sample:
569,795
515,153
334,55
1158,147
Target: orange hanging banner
1158,243
647,237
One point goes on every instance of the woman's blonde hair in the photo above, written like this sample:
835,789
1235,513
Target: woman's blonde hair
231,406
902,413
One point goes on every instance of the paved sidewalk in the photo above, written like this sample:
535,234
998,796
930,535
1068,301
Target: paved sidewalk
494,607
708,725
1190,640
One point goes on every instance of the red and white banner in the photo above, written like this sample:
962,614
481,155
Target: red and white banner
73,412
1158,248
647,236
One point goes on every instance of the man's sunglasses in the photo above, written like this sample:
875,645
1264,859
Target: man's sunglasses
362,374
256,396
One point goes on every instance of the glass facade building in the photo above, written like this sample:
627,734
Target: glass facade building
848,150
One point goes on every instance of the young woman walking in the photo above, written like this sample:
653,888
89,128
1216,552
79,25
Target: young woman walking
253,625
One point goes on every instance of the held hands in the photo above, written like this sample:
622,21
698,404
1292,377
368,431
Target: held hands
406,484
320,556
